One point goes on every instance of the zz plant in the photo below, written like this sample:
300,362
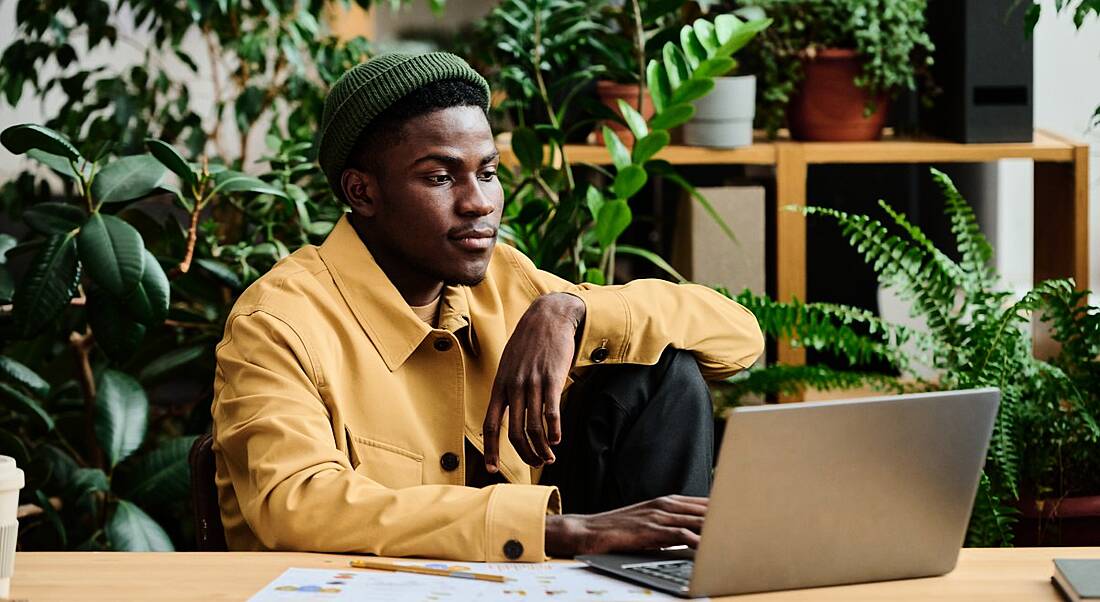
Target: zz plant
573,230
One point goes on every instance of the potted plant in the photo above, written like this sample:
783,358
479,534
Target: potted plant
830,67
1042,476
723,118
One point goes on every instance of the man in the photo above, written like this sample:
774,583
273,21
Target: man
364,387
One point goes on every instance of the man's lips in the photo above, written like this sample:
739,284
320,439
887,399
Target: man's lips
477,238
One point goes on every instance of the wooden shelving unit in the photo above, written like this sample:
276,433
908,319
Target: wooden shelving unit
1061,192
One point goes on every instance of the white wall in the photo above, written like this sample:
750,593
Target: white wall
1067,90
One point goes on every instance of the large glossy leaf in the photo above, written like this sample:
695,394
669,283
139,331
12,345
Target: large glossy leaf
672,117
54,218
528,149
704,31
132,530
233,181
116,332
83,484
160,476
741,35
21,138
633,118
594,199
719,65
222,272
692,89
629,181
21,403
112,253
657,81
18,373
148,303
122,412
170,361
693,50
620,156
127,179
675,65
645,148
170,158
52,517
614,217
59,164
50,282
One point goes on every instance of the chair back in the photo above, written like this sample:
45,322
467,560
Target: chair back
209,536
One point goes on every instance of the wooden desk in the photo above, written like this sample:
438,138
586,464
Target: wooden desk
982,574
1061,193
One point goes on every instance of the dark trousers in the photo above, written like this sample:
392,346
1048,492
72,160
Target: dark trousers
631,433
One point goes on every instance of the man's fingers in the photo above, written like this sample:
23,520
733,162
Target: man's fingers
551,410
534,430
490,429
687,521
516,431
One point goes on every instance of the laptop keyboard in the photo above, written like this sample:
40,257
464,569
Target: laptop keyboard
675,571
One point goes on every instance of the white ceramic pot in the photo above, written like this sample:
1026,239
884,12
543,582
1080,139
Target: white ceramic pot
723,118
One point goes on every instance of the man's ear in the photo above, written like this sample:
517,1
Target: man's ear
360,189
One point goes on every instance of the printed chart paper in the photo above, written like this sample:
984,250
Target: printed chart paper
560,582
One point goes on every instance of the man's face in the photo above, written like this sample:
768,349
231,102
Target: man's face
436,205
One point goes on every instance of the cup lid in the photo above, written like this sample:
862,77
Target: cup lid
11,477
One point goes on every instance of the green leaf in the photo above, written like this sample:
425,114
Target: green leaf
528,149
614,217
170,361
54,218
693,50
81,486
742,35
21,138
173,160
633,118
17,373
675,65
704,32
725,26
659,88
23,404
654,258
692,89
672,117
127,179
122,412
112,253
223,272
652,144
232,181
159,477
595,276
52,517
132,530
620,156
116,332
49,284
594,199
59,164
149,301
719,65
629,181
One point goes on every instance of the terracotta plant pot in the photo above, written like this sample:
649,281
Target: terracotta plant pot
829,106
1072,521
609,93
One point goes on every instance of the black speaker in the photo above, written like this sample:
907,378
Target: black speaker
983,63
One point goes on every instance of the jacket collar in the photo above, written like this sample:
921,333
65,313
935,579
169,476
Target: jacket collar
379,308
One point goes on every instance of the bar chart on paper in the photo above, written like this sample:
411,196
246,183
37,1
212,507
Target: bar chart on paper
525,583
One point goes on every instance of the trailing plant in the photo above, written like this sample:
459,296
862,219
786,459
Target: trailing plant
572,229
1046,440
888,34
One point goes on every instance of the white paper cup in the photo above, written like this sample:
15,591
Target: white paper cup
11,481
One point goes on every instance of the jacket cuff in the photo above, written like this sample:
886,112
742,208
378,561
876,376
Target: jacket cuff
607,326
515,523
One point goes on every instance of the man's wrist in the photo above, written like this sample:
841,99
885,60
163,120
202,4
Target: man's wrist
566,305
563,535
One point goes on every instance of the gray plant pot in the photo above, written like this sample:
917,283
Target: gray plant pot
723,118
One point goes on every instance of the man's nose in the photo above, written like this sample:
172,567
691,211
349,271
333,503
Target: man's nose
474,201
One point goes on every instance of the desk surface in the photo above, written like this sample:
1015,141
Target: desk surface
982,574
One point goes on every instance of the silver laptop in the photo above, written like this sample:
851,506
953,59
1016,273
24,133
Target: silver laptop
826,493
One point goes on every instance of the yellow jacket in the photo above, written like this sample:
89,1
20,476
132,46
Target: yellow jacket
334,404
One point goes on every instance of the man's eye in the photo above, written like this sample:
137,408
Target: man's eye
439,179
488,175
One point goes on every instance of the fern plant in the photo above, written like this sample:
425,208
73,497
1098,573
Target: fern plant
1046,441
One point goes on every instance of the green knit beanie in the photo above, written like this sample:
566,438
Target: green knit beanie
369,88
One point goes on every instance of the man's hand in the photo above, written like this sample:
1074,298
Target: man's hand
671,520
530,379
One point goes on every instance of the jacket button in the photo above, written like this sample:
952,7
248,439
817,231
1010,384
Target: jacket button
442,344
513,549
599,354
448,461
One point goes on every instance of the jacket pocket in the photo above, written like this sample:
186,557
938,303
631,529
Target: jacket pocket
385,463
